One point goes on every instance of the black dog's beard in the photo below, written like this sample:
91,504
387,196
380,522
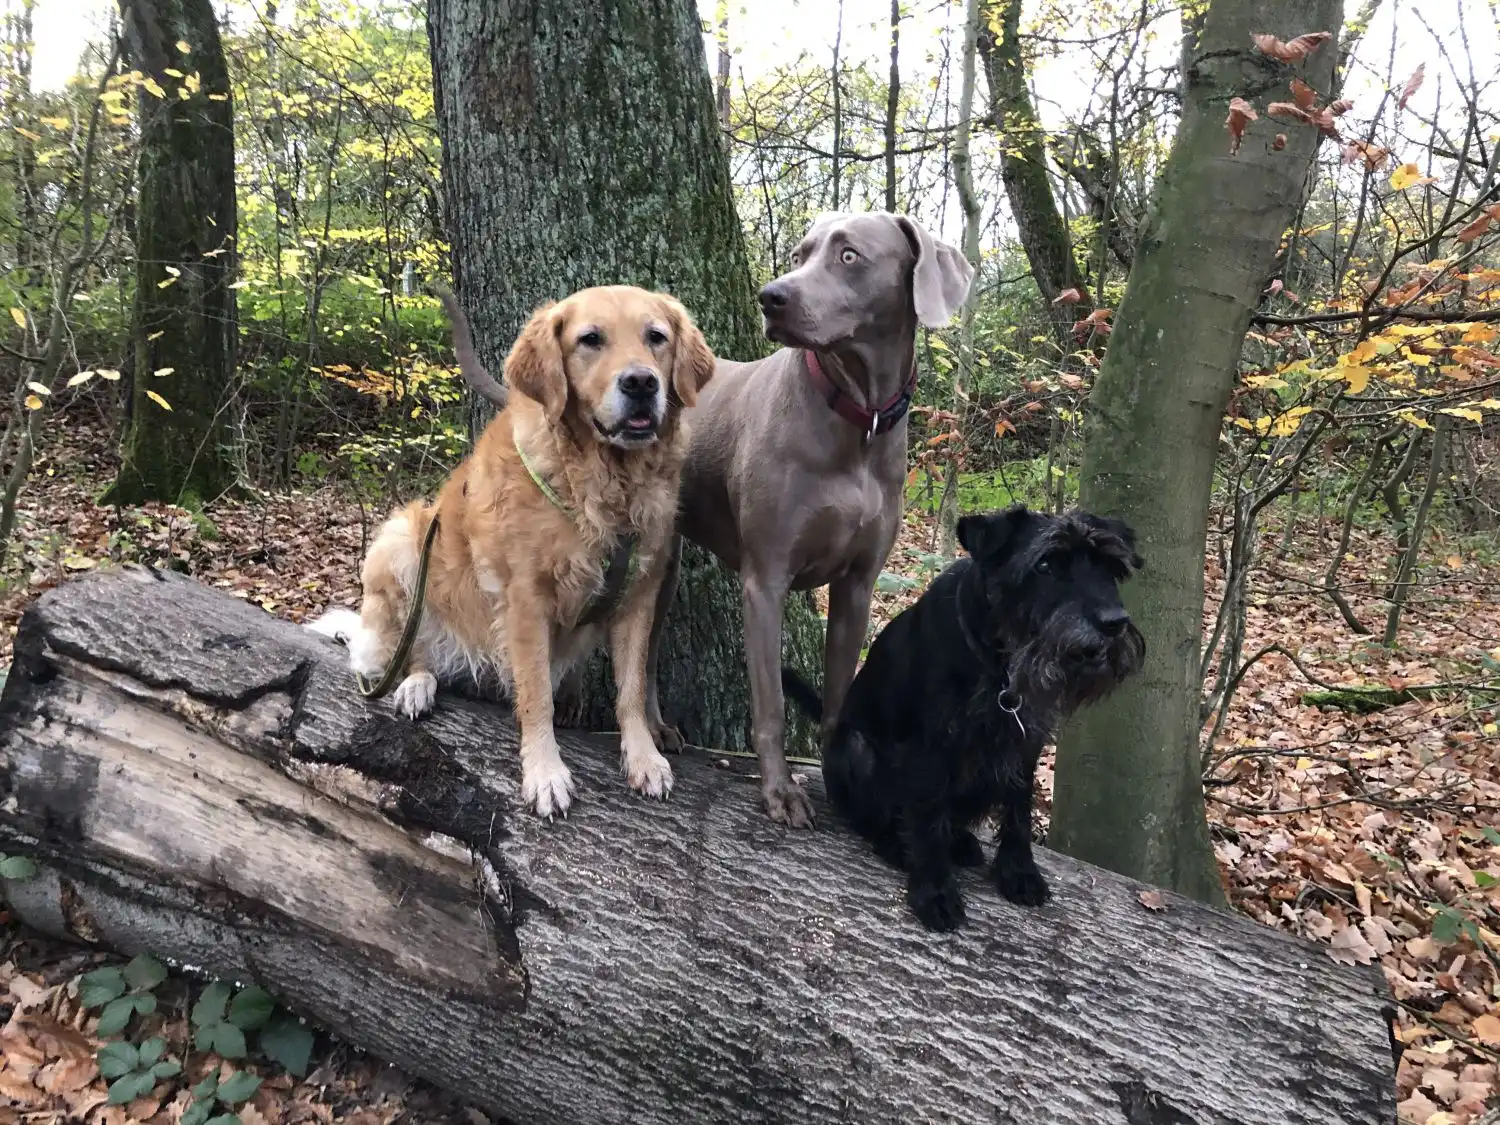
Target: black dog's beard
1047,672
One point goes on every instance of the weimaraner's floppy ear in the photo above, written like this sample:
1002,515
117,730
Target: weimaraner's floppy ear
534,367
692,362
940,281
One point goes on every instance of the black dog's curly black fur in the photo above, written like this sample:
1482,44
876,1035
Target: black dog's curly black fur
945,721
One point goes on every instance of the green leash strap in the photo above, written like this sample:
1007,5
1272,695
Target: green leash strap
397,665
620,568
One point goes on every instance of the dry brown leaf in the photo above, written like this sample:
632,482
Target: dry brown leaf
1442,1083
1303,94
1416,1109
1349,947
1068,297
1413,84
16,1088
1241,113
55,1038
1486,1028
1474,229
1294,51
1153,900
67,1076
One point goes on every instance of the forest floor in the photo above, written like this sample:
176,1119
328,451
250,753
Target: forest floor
1375,832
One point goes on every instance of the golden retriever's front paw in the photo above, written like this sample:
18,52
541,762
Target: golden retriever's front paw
645,769
547,787
415,695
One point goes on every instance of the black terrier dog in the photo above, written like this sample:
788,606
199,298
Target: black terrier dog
946,720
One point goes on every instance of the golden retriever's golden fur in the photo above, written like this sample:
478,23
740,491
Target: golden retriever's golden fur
598,383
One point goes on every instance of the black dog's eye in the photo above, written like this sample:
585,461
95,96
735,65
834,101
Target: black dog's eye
849,256
1044,567
591,339
655,337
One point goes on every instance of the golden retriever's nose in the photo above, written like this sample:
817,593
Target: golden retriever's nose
639,382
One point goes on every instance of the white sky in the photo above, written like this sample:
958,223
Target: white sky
767,33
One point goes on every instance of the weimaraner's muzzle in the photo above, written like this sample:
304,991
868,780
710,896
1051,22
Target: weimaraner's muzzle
798,461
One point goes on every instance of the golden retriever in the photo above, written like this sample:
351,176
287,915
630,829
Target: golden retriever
600,381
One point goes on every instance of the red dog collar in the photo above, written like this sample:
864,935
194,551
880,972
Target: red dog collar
870,422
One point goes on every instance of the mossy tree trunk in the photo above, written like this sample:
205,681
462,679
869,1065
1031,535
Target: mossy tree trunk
1129,792
184,319
581,147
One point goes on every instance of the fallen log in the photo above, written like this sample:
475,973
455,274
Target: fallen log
199,780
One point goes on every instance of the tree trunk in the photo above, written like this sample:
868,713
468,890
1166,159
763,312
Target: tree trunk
184,321
1023,169
1129,794
200,780
892,107
581,147
963,179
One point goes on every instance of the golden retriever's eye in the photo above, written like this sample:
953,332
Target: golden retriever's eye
849,256
593,338
655,337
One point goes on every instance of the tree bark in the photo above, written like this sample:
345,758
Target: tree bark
184,317
1023,170
892,107
1129,794
200,780
581,147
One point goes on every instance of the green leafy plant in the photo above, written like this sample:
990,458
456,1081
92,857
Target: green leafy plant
235,1090
135,1071
122,993
222,1019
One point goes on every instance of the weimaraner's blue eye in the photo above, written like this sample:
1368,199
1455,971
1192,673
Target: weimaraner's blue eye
849,256
655,337
591,339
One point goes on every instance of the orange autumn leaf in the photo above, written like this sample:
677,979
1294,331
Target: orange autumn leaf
1303,94
1241,113
1294,51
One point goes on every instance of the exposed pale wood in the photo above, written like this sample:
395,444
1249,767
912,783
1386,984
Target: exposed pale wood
640,962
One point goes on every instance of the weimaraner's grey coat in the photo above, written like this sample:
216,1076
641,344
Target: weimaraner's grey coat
793,495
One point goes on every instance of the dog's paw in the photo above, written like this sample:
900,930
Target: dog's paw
547,787
415,695
967,851
1022,884
938,906
787,803
645,769
668,738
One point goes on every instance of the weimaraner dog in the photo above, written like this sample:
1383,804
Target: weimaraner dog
797,463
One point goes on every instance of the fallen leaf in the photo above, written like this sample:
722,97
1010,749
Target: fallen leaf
1349,947
1413,84
1241,113
1416,1109
1486,1029
1153,900
1294,51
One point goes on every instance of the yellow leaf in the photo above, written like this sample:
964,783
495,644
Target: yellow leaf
182,45
161,402
28,134
1461,412
1304,763
1420,423
109,373
39,388
218,97
81,378
56,122
1288,423
78,562
1419,359
33,403
241,284
151,85
1481,333
19,317
173,72
1455,562
1358,378
156,335
1363,352
173,270
1409,175
163,371
1267,382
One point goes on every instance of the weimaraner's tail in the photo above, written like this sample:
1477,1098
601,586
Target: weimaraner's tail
802,694
474,373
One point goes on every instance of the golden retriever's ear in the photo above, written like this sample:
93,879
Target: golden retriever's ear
692,362
535,364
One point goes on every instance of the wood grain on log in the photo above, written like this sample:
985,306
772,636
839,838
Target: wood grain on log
200,780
